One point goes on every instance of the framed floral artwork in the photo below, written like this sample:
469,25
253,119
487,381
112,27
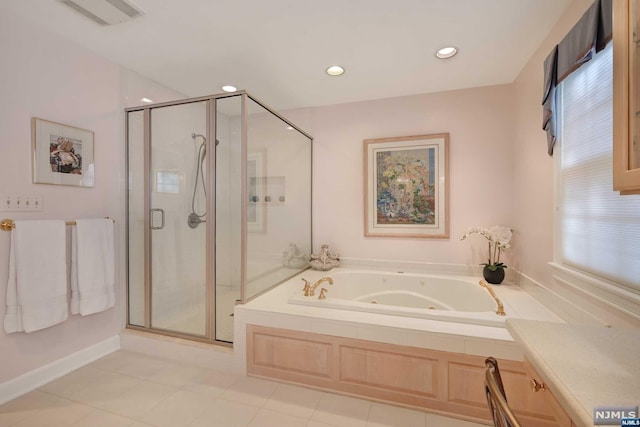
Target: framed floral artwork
62,154
407,186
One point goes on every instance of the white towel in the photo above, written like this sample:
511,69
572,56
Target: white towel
92,266
37,285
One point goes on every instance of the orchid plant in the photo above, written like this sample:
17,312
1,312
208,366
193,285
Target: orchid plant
498,238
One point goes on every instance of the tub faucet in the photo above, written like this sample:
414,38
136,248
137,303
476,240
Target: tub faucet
306,288
500,311
310,291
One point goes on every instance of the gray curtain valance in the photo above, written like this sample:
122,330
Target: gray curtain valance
590,35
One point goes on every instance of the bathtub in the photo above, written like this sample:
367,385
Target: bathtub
458,299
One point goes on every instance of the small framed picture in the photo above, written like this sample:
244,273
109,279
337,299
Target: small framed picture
406,186
62,154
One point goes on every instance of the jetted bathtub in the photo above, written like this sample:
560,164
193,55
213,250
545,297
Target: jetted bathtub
438,297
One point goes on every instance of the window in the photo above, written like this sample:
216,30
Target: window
167,181
598,231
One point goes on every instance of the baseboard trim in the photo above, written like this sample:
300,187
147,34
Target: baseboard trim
38,377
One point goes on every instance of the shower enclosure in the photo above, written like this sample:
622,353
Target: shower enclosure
219,211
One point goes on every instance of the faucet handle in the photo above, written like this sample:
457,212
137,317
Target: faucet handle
307,287
323,293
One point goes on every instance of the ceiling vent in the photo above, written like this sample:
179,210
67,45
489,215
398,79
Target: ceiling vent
104,12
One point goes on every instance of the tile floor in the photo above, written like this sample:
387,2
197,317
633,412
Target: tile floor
131,389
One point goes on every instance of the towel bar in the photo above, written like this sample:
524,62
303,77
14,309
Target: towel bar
8,224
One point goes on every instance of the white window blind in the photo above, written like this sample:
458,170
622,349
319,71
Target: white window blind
599,230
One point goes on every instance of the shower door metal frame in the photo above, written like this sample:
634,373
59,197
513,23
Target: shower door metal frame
210,248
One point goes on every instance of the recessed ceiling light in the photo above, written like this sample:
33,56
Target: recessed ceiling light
229,88
446,52
335,70
145,99
289,127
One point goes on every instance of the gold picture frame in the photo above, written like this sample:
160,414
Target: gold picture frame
406,183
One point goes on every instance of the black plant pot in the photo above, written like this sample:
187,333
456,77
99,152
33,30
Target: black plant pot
494,277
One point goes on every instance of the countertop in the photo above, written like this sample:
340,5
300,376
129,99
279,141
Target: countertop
584,366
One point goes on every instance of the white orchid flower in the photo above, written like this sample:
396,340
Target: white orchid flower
498,237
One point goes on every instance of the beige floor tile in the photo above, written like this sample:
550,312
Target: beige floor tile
112,362
109,387
382,415
25,406
138,400
224,413
142,366
177,375
294,401
179,409
212,383
60,413
318,424
250,391
99,418
74,381
267,418
342,411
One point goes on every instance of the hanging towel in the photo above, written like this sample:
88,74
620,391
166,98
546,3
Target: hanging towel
92,266
37,285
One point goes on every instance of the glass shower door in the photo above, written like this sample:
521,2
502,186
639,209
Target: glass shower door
178,201
218,211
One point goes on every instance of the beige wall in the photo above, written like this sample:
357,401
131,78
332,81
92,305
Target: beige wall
45,76
500,170
481,128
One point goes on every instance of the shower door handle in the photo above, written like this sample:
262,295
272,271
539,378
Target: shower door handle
153,227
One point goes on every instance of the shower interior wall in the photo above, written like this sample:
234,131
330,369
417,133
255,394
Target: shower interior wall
281,188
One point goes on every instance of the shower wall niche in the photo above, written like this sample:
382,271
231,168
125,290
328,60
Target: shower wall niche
218,189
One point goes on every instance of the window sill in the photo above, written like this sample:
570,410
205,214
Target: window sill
610,293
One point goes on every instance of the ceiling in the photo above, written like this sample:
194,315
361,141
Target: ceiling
278,49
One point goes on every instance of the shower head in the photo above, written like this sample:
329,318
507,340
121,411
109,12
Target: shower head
196,135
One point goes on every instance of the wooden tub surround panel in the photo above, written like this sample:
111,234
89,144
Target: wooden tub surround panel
451,384
299,357
397,372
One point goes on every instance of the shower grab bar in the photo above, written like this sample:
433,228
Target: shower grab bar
8,224
161,218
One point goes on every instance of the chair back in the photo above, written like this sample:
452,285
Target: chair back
502,414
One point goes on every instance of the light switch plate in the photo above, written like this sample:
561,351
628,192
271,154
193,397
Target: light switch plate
20,203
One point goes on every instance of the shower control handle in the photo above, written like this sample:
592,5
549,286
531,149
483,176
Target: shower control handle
153,227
